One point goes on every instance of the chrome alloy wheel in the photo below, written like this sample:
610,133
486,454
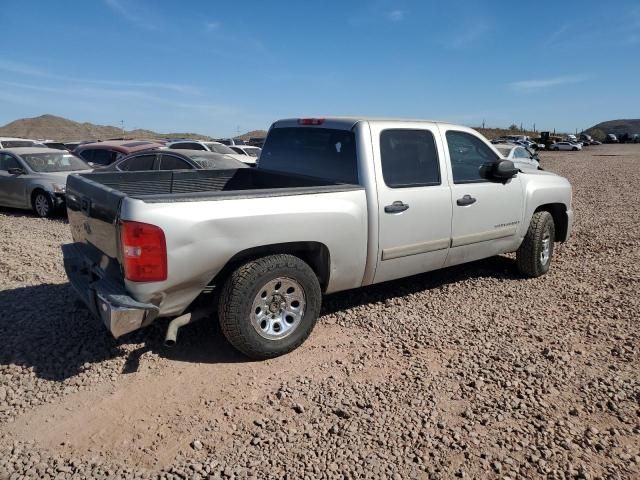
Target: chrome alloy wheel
278,308
545,252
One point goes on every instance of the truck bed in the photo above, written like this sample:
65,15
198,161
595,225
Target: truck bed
168,186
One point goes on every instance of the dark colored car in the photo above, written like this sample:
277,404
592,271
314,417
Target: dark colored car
167,159
102,154
56,146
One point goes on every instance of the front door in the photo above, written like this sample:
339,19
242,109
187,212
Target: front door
414,200
486,213
12,186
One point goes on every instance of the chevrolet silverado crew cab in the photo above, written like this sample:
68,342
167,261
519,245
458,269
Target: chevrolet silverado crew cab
334,204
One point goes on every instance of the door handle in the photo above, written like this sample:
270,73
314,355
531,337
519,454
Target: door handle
396,207
466,200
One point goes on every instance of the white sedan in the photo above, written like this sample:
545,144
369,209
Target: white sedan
565,146
520,156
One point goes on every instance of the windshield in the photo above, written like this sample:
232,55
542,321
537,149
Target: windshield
54,162
253,152
217,162
504,151
219,148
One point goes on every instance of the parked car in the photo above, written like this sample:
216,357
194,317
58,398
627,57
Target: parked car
611,138
56,145
35,177
13,142
519,155
215,147
71,146
231,141
334,204
247,150
101,154
565,146
256,142
168,159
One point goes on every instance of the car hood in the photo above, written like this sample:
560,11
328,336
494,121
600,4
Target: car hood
242,158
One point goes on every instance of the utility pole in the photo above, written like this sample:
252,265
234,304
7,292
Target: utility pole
534,128
521,130
483,123
122,125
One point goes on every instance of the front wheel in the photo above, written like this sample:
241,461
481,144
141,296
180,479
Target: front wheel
269,306
555,149
42,204
574,149
534,255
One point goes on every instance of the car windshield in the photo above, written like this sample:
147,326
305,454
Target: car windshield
253,152
216,162
219,148
54,162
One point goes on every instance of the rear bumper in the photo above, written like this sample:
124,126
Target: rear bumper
105,298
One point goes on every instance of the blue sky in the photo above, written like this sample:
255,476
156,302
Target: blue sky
216,67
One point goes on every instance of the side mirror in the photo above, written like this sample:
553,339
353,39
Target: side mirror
16,171
504,170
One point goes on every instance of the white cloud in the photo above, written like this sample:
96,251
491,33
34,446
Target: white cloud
31,71
526,85
396,15
131,12
212,25
467,37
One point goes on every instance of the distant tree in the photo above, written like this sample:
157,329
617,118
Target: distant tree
513,126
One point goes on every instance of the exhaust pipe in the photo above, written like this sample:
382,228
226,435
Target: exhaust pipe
175,324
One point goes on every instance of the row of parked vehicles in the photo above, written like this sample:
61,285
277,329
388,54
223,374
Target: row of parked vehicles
33,174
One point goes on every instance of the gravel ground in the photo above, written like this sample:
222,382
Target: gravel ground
470,372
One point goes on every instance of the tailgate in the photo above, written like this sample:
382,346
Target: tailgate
93,209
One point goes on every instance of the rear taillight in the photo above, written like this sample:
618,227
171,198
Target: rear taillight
144,252
310,121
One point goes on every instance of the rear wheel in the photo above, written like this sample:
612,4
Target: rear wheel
555,149
575,149
534,255
42,204
269,306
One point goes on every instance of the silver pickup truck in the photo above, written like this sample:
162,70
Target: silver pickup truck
334,204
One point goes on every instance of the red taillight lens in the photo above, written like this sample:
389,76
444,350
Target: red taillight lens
310,121
144,252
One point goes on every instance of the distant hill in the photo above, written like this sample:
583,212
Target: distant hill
52,127
617,127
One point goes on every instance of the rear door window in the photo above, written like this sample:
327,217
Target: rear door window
87,155
316,152
138,163
171,162
409,158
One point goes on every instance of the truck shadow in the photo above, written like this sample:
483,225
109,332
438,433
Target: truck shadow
45,329
58,216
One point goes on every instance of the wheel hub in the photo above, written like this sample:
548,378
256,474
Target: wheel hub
278,308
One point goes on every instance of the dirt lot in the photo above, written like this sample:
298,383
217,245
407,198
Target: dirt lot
467,372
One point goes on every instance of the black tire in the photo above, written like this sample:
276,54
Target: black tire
529,255
555,149
42,204
243,286
575,149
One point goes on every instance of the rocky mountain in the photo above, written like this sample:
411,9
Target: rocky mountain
52,127
617,127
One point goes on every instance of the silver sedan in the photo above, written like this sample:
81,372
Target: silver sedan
35,178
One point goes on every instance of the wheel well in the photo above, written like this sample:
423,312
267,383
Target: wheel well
559,213
315,254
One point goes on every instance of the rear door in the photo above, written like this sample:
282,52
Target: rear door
414,199
486,213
